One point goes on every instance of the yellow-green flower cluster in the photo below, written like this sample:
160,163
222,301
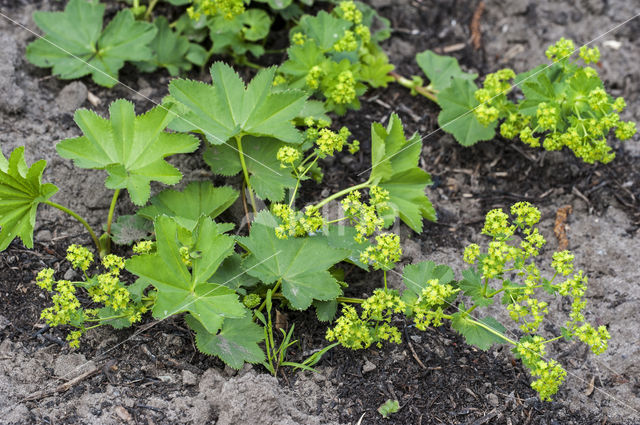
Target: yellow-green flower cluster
428,308
329,142
79,257
185,256
44,279
531,350
496,225
66,306
347,43
143,247
299,38
349,11
365,216
373,325
492,95
385,253
228,9
589,55
288,155
563,262
251,300
314,77
343,92
471,253
561,50
378,197
296,223
597,339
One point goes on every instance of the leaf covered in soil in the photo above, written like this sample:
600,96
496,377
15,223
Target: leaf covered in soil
301,263
186,207
395,168
227,108
75,45
182,281
235,344
21,191
130,148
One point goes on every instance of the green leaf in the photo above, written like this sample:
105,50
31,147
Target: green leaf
395,168
128,229
188,289
232,274
389,407
277,4
325,310
301,263
169,50
376,68
416,276
186,207
343,237
228,108
266,176
536,90
21,191
235,344
130,148
441,70
301,58
74,44
476,334
256,24
472,286
324,28
457,102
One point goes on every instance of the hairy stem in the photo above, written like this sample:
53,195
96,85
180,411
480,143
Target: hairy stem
147,15
493,331
410,84
336,195
80,219
275,288
112,208
245,171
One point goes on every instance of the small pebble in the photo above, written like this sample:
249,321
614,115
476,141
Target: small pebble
368,367
189,378
493,400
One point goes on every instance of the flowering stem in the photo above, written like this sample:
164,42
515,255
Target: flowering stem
246,173
384,273
490,329
410,84
346,191
152,4
112,208
275,288
80,219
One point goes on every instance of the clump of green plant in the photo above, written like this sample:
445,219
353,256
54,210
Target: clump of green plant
506,271
334,56
562,104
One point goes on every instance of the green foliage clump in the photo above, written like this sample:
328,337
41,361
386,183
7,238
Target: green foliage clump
564,104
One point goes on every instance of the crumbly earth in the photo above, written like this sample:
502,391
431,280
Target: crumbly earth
154,374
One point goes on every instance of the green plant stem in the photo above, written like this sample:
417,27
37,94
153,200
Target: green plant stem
275,288
112,208
410,84
80,219
384,273
493,331
336,195
245,171
147,14
300,176
349,300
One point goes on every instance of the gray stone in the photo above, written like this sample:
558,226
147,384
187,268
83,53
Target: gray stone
11,96
493,400
69,366
189,378
368,367
71,97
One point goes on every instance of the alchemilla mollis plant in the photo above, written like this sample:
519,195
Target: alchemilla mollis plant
274,132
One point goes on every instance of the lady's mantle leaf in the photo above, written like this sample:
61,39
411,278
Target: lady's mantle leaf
416,276
472,286
441,70
21,191
476,334
75,45
227,108
236,343
170,50
266,176
457,102
187,289
395,168
131,148
186,207
301,263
